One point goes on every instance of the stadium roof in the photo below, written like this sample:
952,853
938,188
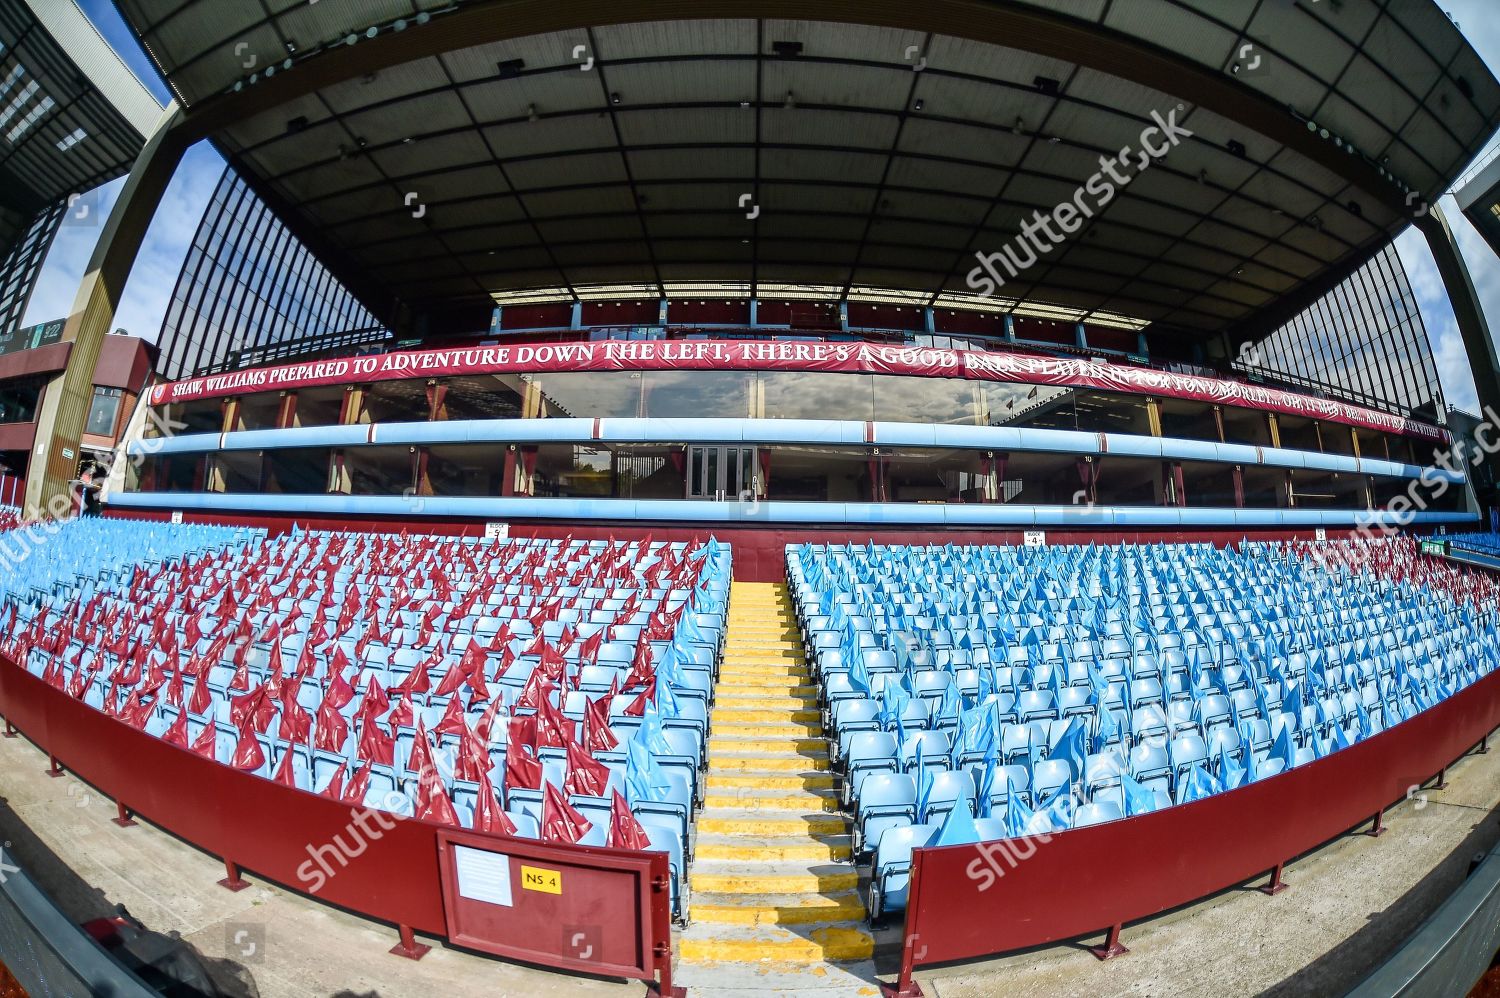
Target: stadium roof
72,116
449,153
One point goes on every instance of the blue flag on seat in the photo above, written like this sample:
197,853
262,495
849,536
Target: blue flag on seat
645,780
1198,785
958,827
1072,746
1138,797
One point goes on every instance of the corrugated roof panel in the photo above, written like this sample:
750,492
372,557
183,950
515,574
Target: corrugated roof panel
716,126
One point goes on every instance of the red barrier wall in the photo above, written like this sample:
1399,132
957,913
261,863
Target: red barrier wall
12,491
1087,880
759,550
259,825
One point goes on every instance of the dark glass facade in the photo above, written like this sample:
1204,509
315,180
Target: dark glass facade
1363,342
250,293
22,264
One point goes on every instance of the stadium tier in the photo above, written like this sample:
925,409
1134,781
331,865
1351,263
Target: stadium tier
791,496
548,690
989,693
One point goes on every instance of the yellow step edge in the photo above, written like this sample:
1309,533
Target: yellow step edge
769,781
762,714
749,799
763,827
773,883
815,908
829,944
755,729
718,743
774,701
789,763
808,849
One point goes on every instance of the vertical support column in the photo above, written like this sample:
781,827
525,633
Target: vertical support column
1010,328
353,410
1484,362
286,415
339,479
231,421
508,472
844,315
661,313
66,398
1141,345
1219,422
575,317
1274,426
437,402
1153,416
1080,336
929,321
1179,486
1239,486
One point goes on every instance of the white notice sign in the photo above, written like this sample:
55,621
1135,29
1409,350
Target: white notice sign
1034,538
497,531
482,876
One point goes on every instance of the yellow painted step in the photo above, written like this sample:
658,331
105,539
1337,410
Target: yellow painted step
800,909
816,880
740,849
763,670
757,825
792,686
834,943
799,730
748,797
769,781
774,701
760,715
807,748
789,763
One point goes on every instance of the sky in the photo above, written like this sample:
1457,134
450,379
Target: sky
155,273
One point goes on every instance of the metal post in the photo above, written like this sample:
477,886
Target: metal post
408,947
1276,886
1112,946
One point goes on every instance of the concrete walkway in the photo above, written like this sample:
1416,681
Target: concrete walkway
1349,905
263,941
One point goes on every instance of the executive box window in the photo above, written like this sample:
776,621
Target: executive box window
303,471
18,400
380,471
104,411
1206,484
201,416
645,471
465,470
319,406
1246,426
258,412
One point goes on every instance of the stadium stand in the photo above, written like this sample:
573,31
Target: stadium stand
10,518
553,690
989,693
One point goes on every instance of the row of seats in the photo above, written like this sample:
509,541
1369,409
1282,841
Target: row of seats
1081,684
509,686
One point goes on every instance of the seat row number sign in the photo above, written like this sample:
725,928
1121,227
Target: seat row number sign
534,878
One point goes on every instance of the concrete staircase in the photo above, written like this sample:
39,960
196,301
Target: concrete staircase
772,886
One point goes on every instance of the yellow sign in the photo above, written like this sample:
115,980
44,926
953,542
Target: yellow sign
546,881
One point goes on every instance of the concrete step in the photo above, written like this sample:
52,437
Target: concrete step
775,943
778,909
770,878
788,730
764,671
788,686
735,699
761,762
762,715
763,848
806,748
727,820
770,781
754,799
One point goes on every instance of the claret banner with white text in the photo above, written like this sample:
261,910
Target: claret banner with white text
735,355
